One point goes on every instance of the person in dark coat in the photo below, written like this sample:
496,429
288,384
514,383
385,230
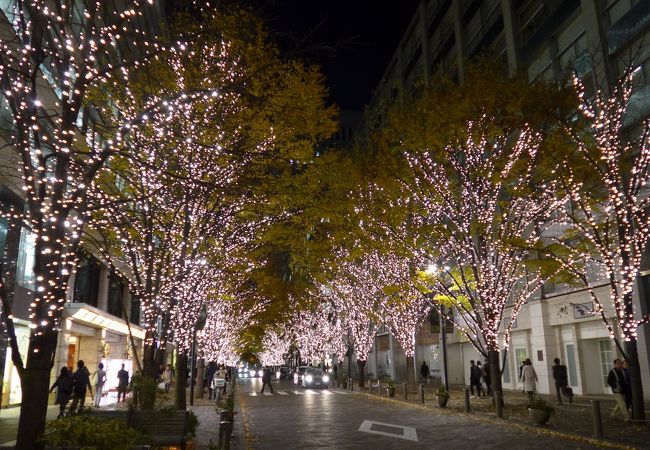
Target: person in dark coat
266,379
561,377
80,381
424,371
123,383
616,381
63,385
475,378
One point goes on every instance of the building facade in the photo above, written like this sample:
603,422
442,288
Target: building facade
543,39
94,325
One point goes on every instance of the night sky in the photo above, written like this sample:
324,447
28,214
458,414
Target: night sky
352,40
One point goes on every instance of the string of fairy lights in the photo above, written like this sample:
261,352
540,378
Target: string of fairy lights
57,55
614,220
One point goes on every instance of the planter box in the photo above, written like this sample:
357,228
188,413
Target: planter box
540,416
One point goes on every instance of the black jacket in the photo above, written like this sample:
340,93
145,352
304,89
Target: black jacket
616,381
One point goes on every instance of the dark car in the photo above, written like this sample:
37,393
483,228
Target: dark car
315,378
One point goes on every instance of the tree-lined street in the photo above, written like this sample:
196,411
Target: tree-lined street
185,210
335,418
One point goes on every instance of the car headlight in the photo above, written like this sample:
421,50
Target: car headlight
260,373
252,373
309,378
326,379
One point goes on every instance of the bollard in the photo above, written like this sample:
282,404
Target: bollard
224,435
406,391
421,388
350,384
467,406
598,421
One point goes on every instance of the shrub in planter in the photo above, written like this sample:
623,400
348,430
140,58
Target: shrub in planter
144,391
539,410
442,395
85,431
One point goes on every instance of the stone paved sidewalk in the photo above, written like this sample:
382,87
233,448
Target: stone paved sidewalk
575,419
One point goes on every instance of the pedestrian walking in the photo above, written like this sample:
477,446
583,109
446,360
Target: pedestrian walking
168,377
529,378
616,381
214,390
122,383
424,371
99,383
80,381
521,372
266,379
486,377
63,385
475,378
561,377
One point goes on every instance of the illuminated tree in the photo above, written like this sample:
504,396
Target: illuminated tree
607,185
487,210
406,307
356,297
275,348
52,56
227,318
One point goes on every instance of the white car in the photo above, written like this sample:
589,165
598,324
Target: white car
299,373
315,378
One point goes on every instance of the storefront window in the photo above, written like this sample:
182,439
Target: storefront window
26,258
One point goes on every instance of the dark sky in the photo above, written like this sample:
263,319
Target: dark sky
352,40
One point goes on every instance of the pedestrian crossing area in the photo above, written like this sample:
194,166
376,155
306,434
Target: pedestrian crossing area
324,392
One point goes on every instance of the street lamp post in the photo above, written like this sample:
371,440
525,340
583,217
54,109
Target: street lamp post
443,341
433,269
200,323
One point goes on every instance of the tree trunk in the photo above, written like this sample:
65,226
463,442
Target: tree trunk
495,381
200,374
35,384
410,371
180,396
638,405
149,356
362,375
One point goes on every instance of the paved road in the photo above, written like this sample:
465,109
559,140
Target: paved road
298,418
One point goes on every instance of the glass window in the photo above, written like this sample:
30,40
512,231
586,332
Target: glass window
571,361
606,358
4,226
26,259
135,310
506,371
86,285
520,355
115,294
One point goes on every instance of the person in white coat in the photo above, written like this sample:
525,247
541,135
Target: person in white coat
529,378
